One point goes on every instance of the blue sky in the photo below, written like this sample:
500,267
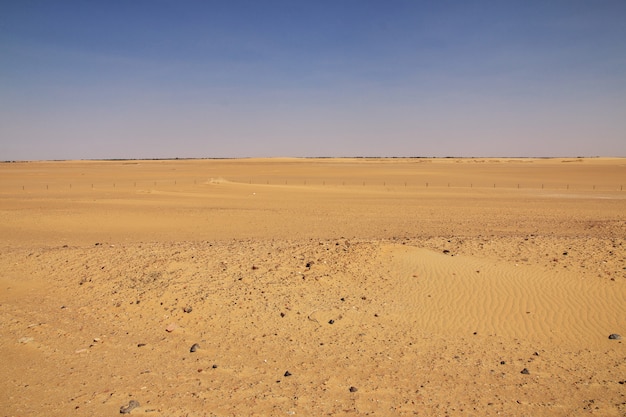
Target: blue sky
164,78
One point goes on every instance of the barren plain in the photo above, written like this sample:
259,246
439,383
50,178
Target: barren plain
339,287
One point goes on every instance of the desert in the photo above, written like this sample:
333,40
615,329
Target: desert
313,286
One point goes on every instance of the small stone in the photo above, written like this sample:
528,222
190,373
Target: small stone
502,363
615,336
130,407
525,371
188,309
214,366
446,251
287,373
282,314
171,327
194,347
331,321
141,344
353,389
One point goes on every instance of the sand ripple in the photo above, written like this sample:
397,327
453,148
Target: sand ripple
440,292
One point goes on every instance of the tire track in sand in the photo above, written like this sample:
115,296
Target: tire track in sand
443,293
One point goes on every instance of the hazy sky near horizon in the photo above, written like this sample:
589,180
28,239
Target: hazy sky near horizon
165,78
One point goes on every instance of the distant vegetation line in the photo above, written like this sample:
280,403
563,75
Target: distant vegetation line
306,157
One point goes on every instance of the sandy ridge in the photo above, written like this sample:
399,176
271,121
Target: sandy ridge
400,357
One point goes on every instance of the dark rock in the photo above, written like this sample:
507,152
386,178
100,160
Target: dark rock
446,251
525,371
126,409
188,309
194,347
353,389
141,344
282,314
287,373
214,366
331,321
615,336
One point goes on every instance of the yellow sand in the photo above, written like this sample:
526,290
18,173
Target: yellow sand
427,285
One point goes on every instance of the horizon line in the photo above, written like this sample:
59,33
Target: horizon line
303,157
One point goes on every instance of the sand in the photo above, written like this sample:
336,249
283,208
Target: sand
313,287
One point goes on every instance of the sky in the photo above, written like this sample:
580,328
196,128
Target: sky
121,79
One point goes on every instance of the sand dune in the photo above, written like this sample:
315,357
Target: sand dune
461,294
350,294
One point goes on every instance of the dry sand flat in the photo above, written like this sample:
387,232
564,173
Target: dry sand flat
308,277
